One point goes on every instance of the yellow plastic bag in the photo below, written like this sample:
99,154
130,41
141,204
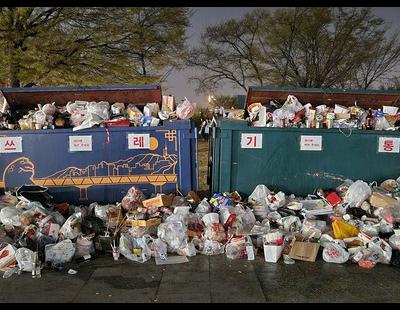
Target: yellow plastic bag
343,230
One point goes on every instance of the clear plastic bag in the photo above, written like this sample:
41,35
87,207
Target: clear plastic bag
100,211
211,247
70,229
334,253
60,253
185,110
236,248
357,193
394,242
133,199
84,246
49,108
25,258
134,114
135,249
10,216
203,207
174,234
259,194
151,109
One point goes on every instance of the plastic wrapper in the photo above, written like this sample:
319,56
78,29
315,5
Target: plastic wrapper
10,216
185,110
134,114
357,193
334,253
313,227
133,199
259,194
135,249
25,259
211,247
60,253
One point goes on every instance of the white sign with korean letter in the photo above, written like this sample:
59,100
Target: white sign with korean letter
80,143
251,141
138,141
311,143
389,145
10,144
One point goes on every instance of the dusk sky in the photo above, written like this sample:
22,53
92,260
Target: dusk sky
177,83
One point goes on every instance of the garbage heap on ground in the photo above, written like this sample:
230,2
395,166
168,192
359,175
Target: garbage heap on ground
84,114
356,222
292,113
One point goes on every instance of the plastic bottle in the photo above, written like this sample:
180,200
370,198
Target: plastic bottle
36,270
379,120
370,120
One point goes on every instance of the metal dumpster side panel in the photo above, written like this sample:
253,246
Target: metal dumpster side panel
280,164
105,174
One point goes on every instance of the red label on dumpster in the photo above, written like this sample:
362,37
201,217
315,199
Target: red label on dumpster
251,141
138,141
389,145
10,144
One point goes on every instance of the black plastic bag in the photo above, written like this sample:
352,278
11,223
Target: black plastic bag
35,193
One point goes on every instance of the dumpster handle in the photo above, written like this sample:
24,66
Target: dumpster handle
347,136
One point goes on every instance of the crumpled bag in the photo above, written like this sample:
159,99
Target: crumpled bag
290,223
382,248
135,249
84,246
25,258
158,248
185,110
259,194
334,253
134,114
59,253
151,109
174,234
203,207
10,216
49,108
211,247
96,113
357,193
100,211
394,242
133,199
71,228
236,248
275,201
343,230
188,250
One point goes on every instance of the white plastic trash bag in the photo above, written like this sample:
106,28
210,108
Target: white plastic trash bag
259,194
135,249
10,216
357,193
334,253
60,253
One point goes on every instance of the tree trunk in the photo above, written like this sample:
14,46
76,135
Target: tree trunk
13,79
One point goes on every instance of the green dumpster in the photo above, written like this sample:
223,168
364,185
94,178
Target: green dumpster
299,160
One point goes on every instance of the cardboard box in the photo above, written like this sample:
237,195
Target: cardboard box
379,200
342,115
305,251
147,223
159,201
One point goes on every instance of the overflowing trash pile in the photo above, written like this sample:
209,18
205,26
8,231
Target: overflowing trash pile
84,114
355,222
292,113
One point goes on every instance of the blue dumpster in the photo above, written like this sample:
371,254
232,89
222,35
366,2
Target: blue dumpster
107,162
